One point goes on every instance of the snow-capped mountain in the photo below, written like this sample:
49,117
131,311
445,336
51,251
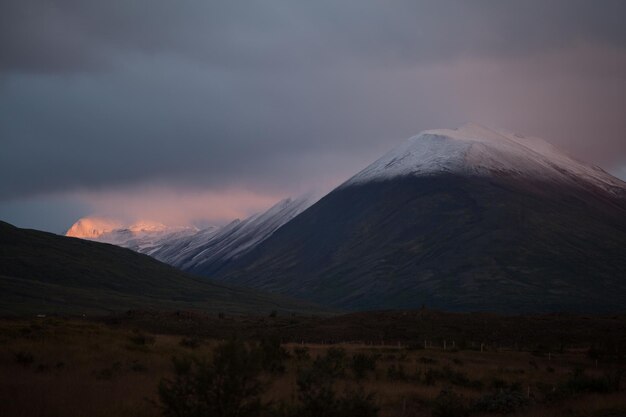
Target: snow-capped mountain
207,251
465,219
141,236
92,227
475,150
202,251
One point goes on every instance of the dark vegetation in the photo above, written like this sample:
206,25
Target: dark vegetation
76,367
540,335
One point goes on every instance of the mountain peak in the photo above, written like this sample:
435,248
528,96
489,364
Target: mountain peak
475,150
92,227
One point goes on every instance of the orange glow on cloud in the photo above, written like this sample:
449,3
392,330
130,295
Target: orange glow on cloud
176,207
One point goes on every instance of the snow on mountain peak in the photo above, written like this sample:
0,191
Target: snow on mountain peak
480,151
92,227
110,230
148,226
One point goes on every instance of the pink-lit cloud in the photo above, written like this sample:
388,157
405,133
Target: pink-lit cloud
175,207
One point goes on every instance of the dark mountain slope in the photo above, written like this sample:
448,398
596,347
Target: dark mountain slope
46,273
450,241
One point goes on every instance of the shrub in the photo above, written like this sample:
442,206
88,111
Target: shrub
137,366
362,364
579,382
110,372
456,377
272,355
317,398
498,383
594,353
431,376
24,358
357,403
302,354
396,373
449,404
315,393
226,386
42,367
190,342
140,339
333,363
504,401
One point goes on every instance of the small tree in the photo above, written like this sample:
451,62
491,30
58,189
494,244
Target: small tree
226,386
318,398
449,404
272,355
362,364
333,363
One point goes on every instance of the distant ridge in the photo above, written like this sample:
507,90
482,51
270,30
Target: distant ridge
200,251
43,273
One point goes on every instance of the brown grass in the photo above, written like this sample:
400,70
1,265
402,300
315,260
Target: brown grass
82,368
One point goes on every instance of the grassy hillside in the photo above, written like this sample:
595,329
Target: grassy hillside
46,273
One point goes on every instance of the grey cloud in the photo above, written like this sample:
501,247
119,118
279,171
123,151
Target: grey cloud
64,35
271,94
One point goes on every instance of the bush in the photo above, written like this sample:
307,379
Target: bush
449,404
333,364
315,393
504,401
431,376
24,358
140,339
190,342
396,373
579,382
362,364
302,354
272,355
317,398
357,403
137,366
498,384
226,386
459,378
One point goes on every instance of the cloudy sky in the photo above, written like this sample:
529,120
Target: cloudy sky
187,111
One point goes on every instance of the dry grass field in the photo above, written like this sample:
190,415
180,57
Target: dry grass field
76,367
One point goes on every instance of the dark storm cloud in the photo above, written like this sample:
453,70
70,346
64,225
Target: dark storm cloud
66,35
99,94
